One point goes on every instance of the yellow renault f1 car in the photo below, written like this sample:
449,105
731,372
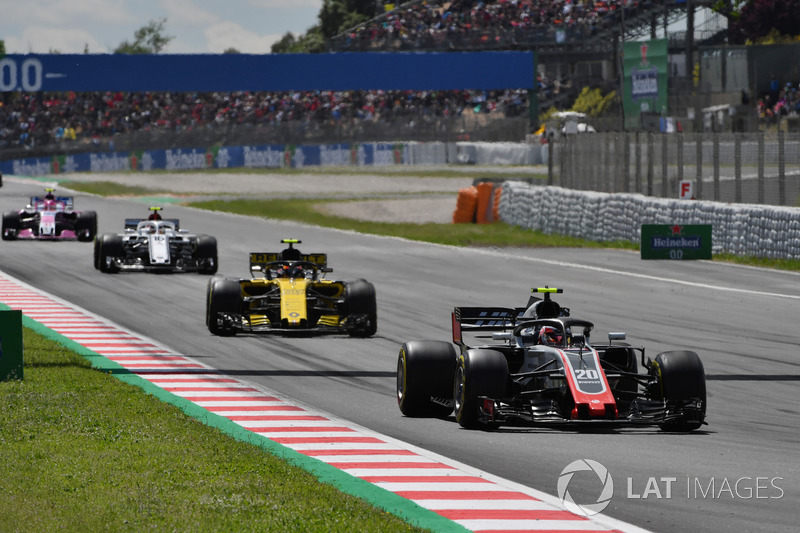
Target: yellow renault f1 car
287,293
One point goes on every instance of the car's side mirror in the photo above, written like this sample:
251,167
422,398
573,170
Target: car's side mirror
617,336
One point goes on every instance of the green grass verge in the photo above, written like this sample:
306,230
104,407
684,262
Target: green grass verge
83,451
498,234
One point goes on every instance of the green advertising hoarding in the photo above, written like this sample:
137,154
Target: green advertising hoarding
665,241
645,72
10,345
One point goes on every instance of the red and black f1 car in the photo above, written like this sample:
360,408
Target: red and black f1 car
543,369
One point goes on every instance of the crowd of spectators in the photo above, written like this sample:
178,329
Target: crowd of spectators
36,119
28,120
779,102
422,24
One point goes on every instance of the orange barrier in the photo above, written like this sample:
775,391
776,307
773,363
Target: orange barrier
484,210
498,192
479,203
466,205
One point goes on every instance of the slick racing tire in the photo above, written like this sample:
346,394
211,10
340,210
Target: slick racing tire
360,307
10,226
86,226
109,248
425,370
222,296
478,373
206,254
681,379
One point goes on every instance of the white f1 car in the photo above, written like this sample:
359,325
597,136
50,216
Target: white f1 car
155,244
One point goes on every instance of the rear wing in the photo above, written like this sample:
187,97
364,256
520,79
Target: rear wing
262,258
474,319
131,223
68,201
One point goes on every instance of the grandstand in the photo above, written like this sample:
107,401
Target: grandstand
577,42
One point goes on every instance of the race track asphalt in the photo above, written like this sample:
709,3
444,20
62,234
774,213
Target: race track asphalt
739,473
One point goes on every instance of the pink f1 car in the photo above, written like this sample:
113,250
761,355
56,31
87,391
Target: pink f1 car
50,218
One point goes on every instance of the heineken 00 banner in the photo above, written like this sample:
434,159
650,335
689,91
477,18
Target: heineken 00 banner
676,241
645,70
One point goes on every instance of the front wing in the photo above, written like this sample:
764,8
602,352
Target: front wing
136,257
260,323
532,413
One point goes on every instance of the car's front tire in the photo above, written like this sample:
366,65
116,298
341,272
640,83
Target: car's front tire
206,254
361,308
681,380
10,226
479,373
222,296
109,248
86,226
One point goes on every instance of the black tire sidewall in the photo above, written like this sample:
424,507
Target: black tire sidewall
485,373
425,369
222,296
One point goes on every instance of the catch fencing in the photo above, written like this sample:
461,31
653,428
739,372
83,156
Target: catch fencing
752,168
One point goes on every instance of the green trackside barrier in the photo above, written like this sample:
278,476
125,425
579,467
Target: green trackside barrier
676,241
10,345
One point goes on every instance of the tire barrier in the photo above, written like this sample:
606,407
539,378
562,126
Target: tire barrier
498,192
483,213
466,205
741,229
479,203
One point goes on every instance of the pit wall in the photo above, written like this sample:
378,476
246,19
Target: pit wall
280,156
739,229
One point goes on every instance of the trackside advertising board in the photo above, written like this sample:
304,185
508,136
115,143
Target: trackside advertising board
268,72
675,241
645,69
262,156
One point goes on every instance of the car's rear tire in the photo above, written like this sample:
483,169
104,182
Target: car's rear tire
109,248
479,372
681,379
86,226
425,370
207,254
360,307
10,226
222,296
